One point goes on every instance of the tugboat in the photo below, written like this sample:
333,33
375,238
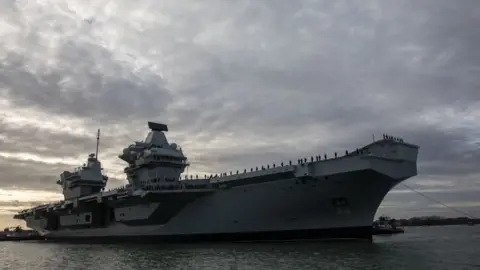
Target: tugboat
385,226
18,234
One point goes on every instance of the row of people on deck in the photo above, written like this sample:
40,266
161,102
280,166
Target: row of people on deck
388,137
262,168
305,160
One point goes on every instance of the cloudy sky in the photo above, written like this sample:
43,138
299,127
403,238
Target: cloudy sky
240,84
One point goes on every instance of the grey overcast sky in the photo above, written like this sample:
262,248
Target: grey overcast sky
240,84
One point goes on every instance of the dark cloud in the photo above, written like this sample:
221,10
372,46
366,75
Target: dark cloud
37,141
30,174
82,90
240,84
18,174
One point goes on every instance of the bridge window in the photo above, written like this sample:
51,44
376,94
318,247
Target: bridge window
87,218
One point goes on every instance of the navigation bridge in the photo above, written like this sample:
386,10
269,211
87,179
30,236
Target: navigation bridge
83,181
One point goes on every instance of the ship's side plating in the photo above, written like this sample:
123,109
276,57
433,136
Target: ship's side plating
317,198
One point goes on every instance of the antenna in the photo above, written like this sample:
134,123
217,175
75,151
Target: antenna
98,141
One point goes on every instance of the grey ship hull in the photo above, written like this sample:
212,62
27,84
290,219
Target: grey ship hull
278,209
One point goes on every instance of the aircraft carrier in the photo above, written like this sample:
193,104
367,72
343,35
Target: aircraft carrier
310,198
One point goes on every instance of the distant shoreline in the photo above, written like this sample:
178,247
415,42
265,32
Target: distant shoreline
417,222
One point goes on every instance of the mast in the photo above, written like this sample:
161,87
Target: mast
98,141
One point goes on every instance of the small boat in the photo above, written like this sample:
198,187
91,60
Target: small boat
18,234
385,226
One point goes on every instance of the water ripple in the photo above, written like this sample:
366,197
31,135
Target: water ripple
450,247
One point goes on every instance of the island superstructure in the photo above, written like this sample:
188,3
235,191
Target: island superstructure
312,198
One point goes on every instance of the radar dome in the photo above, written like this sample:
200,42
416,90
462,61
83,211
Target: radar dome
173,146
